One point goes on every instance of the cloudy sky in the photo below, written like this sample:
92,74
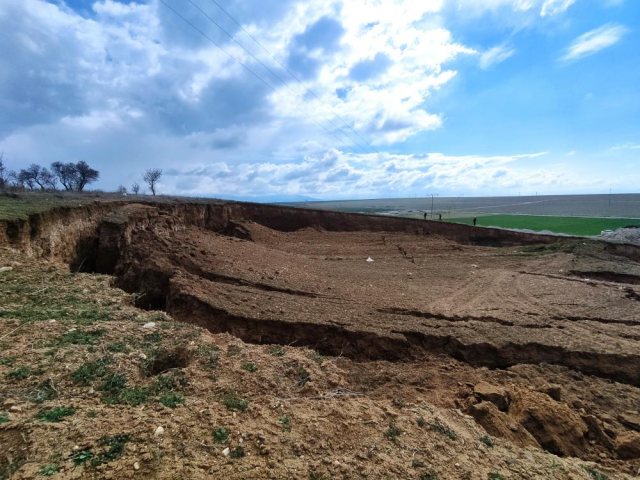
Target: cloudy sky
327,98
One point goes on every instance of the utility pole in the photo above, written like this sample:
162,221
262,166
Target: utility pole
432,195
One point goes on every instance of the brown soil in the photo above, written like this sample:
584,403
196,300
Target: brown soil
536,348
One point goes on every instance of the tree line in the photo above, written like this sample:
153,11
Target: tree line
72,177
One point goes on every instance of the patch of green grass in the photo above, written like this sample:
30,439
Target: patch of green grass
56,414
487,441
116,391
92,414
496,476
392,433
170,381
233,350
29,203
115,448
209,355
444,430
595,474
237,452
172,400
276,350
7,361
82,457
82,337
4,418
233,402
285,422
249,367
49,470
88,372
221,434
21,373
118,347
153,337
580,226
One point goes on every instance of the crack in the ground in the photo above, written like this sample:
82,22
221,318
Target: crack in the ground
439,316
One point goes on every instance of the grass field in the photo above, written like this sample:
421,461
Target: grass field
569,225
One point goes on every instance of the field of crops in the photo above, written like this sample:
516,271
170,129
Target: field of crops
568,225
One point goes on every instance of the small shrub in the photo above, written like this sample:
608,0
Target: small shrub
595,474
116,445
43,392
86,373
172,400
487,441
233,350
237,452
7,361
210,355
21,373
249,367
415,463
153,337
4,418
220,434
285,422
233,402
171,381
421,422
49,470
392,433
56,414
276,350
92,414
117,391
496,476
438,427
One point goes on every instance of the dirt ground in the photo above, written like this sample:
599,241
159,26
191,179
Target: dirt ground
288,355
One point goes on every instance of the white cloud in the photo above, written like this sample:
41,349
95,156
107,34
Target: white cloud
626,146
594,41
554,7
495,55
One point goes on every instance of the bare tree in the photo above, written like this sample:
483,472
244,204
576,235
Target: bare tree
86,175
122,189
5,174
135,188
151,177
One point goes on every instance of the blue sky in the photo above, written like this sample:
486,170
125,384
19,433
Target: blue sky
491,97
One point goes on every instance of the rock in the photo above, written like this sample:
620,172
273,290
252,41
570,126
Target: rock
226,451
136,466
15,408
597,431
492,393
554,391
628,445
149,325
5,269
159,431
630,420
557,428
499,424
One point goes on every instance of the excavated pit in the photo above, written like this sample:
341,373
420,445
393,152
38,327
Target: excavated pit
268,280
271,275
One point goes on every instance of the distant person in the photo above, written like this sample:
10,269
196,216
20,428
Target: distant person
440,216
475,220
425,215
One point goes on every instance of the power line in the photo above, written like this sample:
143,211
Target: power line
274,74
284,67
244,66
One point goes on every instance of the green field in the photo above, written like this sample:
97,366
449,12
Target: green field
570,225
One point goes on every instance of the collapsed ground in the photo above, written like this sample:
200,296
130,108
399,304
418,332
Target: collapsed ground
436,360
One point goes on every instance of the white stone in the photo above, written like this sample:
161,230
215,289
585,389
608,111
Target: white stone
149,325
159,431
226,451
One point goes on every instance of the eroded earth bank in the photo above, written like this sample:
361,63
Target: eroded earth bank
456,353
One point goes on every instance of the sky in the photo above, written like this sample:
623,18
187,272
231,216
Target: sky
327,99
